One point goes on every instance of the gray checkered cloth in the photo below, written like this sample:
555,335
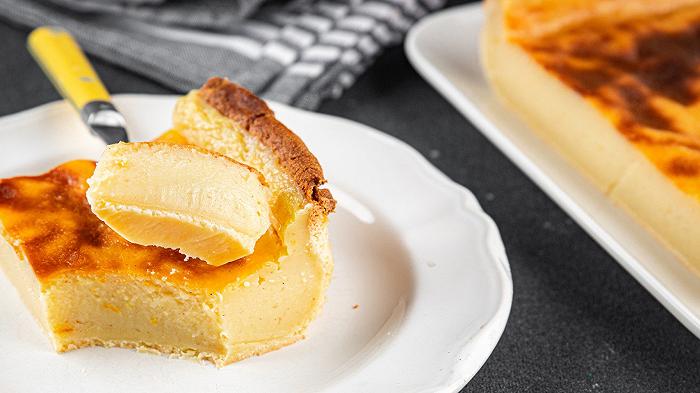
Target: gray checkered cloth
298,52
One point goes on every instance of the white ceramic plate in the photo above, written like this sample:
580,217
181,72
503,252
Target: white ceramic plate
413,249
444,48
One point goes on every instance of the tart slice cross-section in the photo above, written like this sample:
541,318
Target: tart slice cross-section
87,285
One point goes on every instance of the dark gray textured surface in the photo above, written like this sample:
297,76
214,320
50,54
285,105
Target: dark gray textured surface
579,322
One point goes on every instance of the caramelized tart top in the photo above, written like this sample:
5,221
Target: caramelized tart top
642,72
48,219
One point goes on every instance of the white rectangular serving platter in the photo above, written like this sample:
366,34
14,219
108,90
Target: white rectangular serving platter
444,48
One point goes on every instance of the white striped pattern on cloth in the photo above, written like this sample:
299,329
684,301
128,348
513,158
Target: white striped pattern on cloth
299,52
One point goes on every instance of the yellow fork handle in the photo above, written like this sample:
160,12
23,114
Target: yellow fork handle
65,64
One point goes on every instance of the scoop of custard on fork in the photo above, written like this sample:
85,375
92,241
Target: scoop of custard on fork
182,197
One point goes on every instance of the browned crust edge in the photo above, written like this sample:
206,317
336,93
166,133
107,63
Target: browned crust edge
257,119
